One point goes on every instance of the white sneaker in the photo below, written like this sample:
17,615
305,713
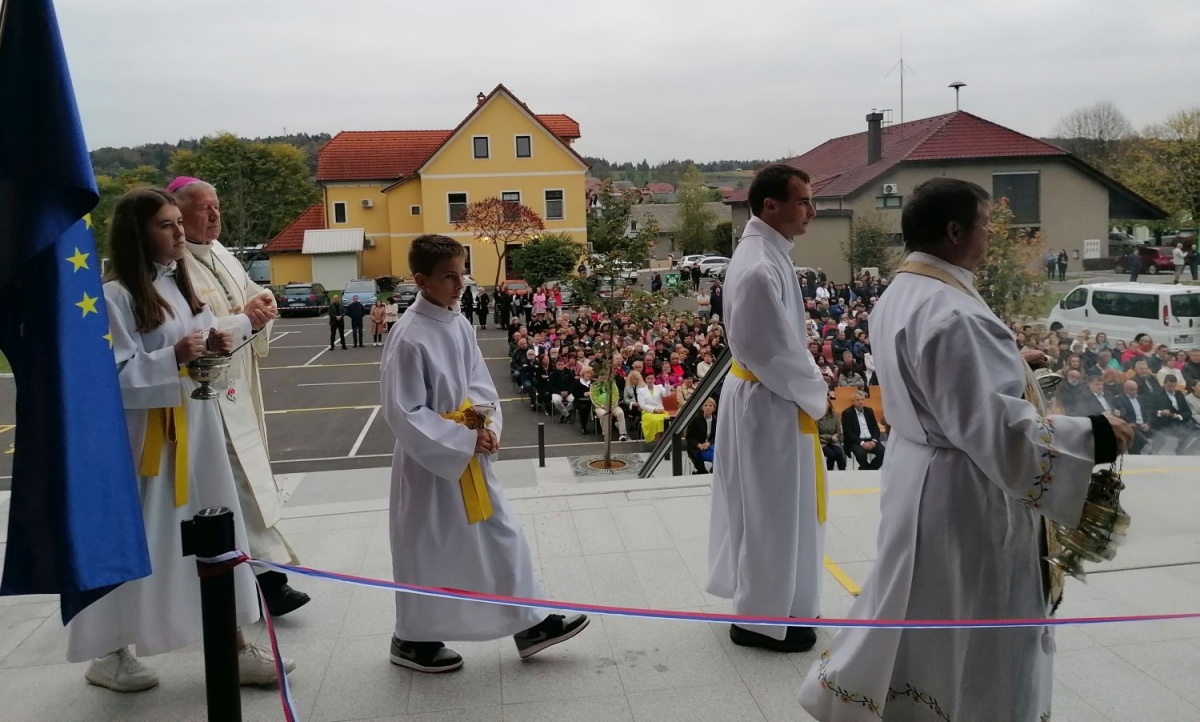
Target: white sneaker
257,665
121,672
623,438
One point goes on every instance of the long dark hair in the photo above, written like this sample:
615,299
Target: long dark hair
132,265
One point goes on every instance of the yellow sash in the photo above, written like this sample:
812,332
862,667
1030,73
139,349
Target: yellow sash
474,486
163,425
807,427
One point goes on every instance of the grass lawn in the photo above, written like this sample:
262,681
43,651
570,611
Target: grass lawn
4,368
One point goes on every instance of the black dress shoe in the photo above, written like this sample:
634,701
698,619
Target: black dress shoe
284,600
798,639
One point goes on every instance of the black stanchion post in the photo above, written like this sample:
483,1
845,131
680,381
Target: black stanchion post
542,445
676,454
210,534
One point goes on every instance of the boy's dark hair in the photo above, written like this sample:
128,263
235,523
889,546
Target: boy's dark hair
935,204
772,182
429,250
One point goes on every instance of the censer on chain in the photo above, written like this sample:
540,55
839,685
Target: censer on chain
1101,528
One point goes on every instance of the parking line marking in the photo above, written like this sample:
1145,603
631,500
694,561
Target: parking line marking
339,383
319,355
327,458
318,366
321,408
281,335
7,427
363,434
315,345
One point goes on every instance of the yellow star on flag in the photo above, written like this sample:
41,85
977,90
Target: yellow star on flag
87,220
108,337
88,304
79,260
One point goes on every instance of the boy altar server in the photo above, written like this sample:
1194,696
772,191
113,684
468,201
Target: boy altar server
451,525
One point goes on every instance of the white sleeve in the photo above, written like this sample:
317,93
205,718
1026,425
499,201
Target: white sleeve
149,379
973,381
441,446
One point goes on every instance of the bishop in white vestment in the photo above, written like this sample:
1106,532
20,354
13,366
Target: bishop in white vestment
766,535
162,612
972,469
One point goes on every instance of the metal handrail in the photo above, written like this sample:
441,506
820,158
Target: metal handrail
678,426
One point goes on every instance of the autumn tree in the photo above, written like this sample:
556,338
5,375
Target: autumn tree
1094,134
696,220
548,257
1164,166
870,246
113,186
262,187
1008,281
501,225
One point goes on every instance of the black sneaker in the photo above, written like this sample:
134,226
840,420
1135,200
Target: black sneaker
798,639
549,632
432,657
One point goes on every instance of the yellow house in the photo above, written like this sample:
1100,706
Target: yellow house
397,185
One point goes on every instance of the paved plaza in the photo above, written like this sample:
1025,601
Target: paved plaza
632,543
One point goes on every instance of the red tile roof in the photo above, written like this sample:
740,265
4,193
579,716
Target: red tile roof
291,238
660,187
392,155
839,167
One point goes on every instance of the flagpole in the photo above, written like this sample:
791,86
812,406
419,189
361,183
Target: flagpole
209,535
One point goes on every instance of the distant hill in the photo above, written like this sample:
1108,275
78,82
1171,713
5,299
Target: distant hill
107,161
719,172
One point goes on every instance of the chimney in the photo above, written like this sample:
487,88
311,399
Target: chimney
874,137
481,97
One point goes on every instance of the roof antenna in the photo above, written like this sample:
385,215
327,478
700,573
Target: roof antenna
904,69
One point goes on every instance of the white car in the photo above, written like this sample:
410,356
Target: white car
686,263
1170,314
712,265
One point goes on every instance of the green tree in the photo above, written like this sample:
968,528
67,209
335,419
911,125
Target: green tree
1164,166
547,257
501,225
696,220
111,188
870,246
608,225
722,239
1007,281
262,187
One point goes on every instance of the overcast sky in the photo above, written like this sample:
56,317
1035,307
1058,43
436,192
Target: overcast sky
652,79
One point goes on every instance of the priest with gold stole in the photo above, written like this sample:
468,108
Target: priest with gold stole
766,530
975,472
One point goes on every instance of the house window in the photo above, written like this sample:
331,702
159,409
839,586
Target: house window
511,201
480,144
889,201
339,212
554,205
633,226
895,239
524,146
1023,191
414,210
458,206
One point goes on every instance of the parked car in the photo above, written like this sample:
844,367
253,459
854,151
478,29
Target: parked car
686,263
520,288
1155,260
712,265
1170,314
366,289
302,299
404,294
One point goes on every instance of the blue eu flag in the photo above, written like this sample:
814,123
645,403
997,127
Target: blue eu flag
75,521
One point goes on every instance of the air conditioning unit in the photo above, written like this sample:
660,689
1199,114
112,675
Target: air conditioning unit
368,203
890,189
370,243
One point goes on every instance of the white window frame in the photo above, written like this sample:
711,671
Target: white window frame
487,138
562,201
464,194
508,193
345,212
517,146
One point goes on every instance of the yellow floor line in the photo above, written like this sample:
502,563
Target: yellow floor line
842,577
321,408
853,492
317,366
7,427
1159,471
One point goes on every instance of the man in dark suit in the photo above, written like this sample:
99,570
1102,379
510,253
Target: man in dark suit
700,435
1172,417
337,322
1148,386
1095,400
1138,411
861,433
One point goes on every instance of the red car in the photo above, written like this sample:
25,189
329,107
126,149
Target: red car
1155,260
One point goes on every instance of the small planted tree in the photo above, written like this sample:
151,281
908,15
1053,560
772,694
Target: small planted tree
547,257
1008,281
696,220
870,246
500,224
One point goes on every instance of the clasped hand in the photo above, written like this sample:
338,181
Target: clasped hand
486,442
193,345
261,310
